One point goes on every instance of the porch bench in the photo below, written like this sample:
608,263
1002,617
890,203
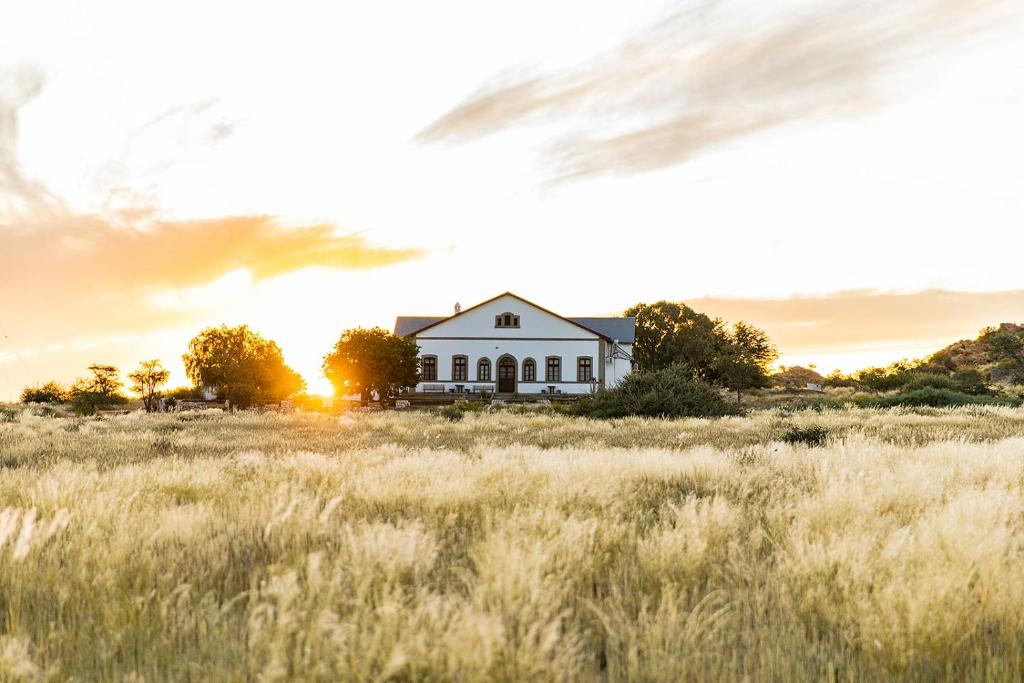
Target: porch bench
433,388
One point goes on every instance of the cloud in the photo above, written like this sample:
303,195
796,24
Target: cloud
715,72
68,273
77,274
19,84
868,318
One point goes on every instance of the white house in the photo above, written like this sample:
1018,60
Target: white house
508,345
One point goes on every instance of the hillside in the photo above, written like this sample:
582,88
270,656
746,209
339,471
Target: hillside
975,354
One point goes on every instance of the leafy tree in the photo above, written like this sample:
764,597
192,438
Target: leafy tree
744,362
674,334
51,392
1007,349
892,376
364,361
240,365
837,378
147,380
103,388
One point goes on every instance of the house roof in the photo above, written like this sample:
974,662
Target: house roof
621,329
411,324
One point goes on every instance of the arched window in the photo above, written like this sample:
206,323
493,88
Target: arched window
483,370
428,368
529,370
460,368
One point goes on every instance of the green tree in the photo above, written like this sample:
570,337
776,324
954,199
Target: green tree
674,334
240,365
364,361
745,360
51,392
892,376
101,389
147,380
1007,349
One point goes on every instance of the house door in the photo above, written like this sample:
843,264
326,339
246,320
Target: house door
506,376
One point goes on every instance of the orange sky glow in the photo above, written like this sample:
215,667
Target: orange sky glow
843,174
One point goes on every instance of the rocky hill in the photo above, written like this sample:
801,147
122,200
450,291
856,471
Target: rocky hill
975,354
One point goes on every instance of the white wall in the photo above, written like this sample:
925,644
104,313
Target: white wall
617,368
533,323
520,349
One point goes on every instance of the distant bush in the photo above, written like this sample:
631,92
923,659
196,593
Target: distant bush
671,392
51,392
813,435
457,410
966,381
936,398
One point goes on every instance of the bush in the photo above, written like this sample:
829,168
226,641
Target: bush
51,392
671,392
966,382
814,435
452,413
935,398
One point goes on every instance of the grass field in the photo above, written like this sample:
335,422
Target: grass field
512,547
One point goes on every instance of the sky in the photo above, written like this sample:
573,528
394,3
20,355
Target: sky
844,174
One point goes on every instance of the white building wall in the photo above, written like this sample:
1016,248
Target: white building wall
520,350
533,323
617,368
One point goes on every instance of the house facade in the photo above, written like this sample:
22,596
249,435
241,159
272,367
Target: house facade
508,345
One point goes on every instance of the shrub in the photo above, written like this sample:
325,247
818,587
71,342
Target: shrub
671,392
813,435
51,392
935,398
452,413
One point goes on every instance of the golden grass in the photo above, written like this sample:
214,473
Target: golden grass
512,547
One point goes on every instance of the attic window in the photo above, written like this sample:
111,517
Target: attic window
506,320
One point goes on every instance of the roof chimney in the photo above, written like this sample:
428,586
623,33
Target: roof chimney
458,308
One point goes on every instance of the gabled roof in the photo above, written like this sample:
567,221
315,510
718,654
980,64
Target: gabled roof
621,329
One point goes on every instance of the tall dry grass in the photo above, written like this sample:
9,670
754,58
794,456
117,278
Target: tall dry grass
512,547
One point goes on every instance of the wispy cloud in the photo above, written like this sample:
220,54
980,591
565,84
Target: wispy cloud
19,84
86,273
848,320
716,71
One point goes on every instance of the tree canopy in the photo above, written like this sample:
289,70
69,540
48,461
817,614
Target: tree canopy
51,392
147,380
673,334
102,388
745,359
670,333
240,365
372,360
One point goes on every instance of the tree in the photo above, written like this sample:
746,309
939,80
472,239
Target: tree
744,362
51,392
374,360
147,380
240,365
103,388
1007,349
673,333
